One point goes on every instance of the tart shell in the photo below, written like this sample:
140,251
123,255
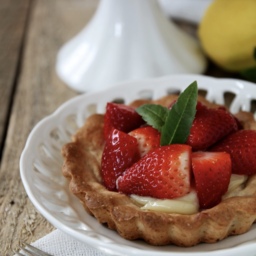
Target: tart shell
82,167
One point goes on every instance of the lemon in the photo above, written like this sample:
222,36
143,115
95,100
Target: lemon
228,33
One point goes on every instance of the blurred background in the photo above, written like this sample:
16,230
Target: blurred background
129,40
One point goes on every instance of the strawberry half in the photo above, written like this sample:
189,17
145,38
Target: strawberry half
210,126
120,152
199,105
241,146
121,117
162,173
148,139
212,172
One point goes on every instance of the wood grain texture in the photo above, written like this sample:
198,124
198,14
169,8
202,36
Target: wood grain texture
39,92
13,15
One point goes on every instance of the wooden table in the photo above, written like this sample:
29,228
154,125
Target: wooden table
31,33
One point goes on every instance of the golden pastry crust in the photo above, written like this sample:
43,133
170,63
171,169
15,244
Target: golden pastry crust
82,167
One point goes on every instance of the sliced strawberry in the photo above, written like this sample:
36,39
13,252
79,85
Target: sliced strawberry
210,126
121,117
148,139
162,173
241,146
199,105
120,153
212,172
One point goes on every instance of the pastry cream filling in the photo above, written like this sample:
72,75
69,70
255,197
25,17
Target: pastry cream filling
187,204
235,183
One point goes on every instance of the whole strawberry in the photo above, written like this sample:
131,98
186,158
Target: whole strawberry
212,172
162,173
120,152
209,127
239,124
241,146
121,117
148,139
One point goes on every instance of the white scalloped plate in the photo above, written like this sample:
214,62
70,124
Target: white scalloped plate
41,161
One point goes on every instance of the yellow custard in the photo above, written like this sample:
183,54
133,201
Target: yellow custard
236,182
187,204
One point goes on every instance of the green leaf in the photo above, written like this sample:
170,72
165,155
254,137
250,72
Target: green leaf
249,74
154,115
180,118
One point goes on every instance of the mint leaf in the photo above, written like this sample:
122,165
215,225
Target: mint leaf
174,124
250,73
180,118
154,115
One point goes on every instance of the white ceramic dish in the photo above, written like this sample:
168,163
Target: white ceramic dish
41,161
127,40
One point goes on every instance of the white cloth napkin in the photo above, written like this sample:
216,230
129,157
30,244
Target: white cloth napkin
58,243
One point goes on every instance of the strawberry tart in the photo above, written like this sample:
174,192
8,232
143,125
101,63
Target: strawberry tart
178,170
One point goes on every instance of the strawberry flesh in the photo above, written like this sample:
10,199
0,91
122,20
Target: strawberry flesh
148,139
163,173
241,146
121,117
209,127
120,152
212,172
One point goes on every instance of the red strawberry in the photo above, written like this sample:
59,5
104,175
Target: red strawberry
121,117
162,173
212,172
241,146
120,153
239,124
210,126
199,105
170,106
148,139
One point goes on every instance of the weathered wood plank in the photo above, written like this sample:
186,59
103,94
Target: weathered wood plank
13,15
39,92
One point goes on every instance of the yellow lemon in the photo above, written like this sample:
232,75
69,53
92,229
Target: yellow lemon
228,33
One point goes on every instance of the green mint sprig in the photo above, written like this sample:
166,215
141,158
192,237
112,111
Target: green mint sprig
154,115
250,73
174,124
